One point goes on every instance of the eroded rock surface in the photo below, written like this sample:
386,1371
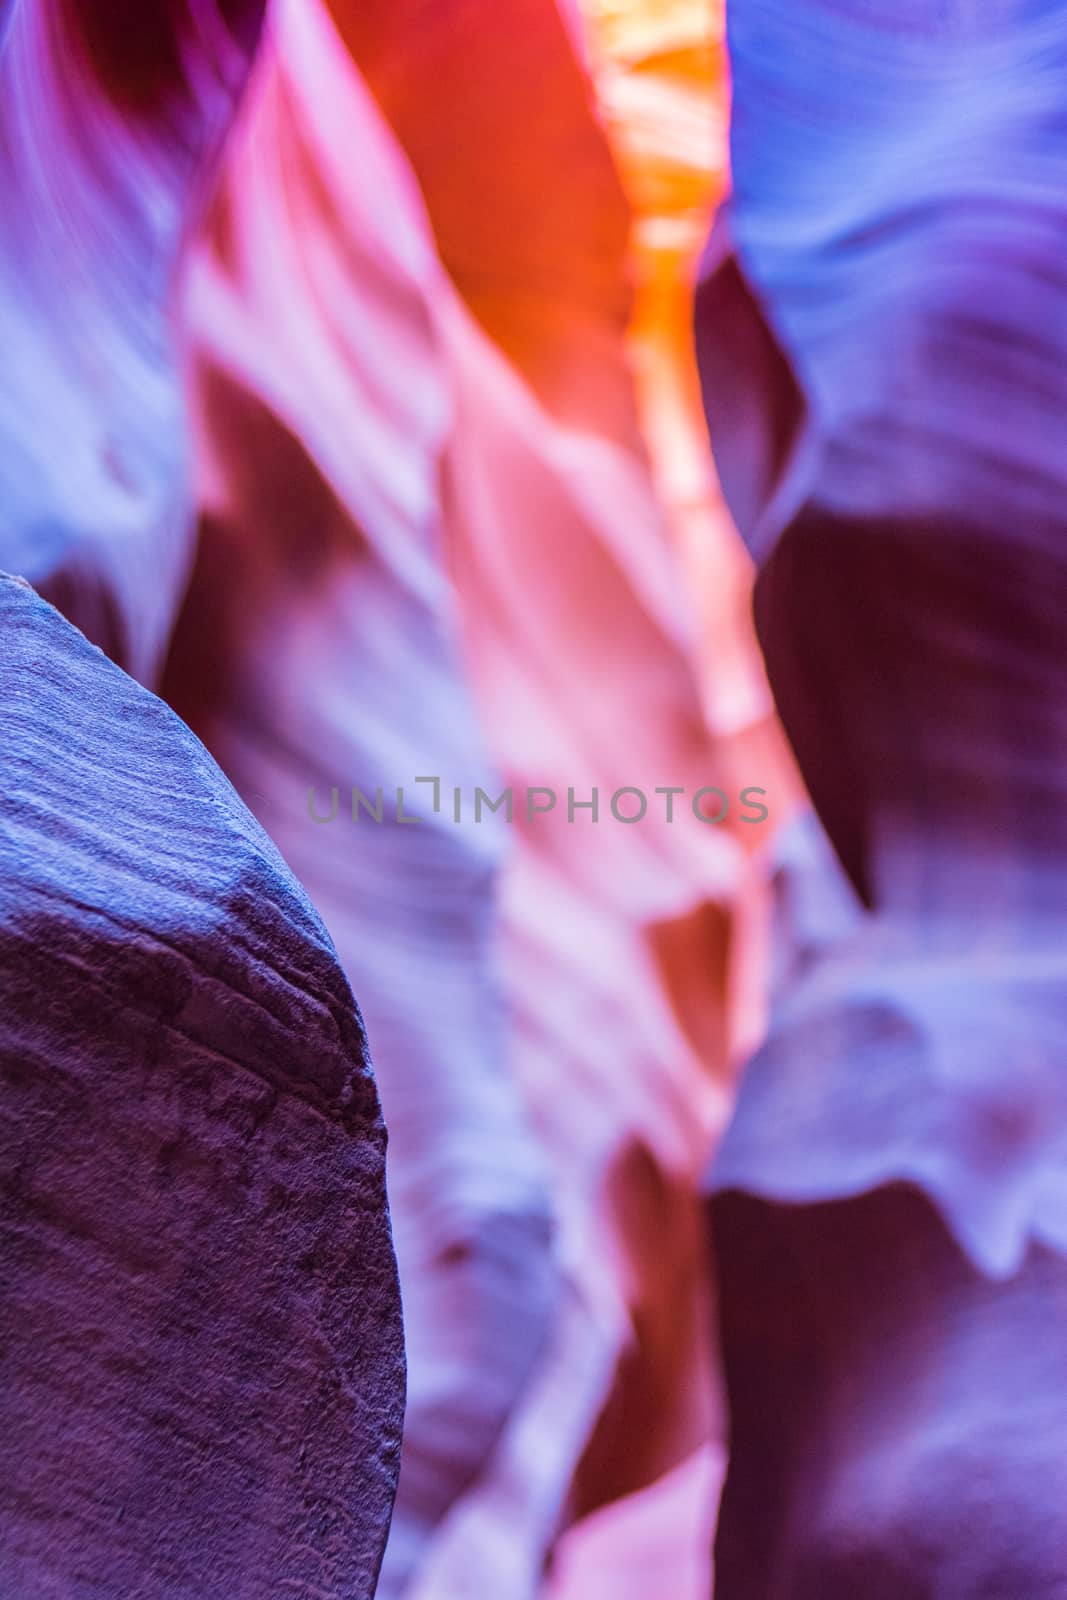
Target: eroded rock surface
201,1369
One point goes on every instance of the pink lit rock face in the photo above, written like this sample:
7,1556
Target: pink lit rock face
429,544
883,328
319,648
620,946
201,1372
625,1093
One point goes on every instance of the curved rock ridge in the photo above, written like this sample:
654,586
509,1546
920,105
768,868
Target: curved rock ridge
318,649
110,119
882,329
202,1365
884,375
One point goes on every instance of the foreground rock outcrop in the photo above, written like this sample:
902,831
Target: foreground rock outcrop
201,1370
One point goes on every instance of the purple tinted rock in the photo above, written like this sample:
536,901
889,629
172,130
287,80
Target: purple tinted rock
110,117
897,1418
201,1369
883,341
882,330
